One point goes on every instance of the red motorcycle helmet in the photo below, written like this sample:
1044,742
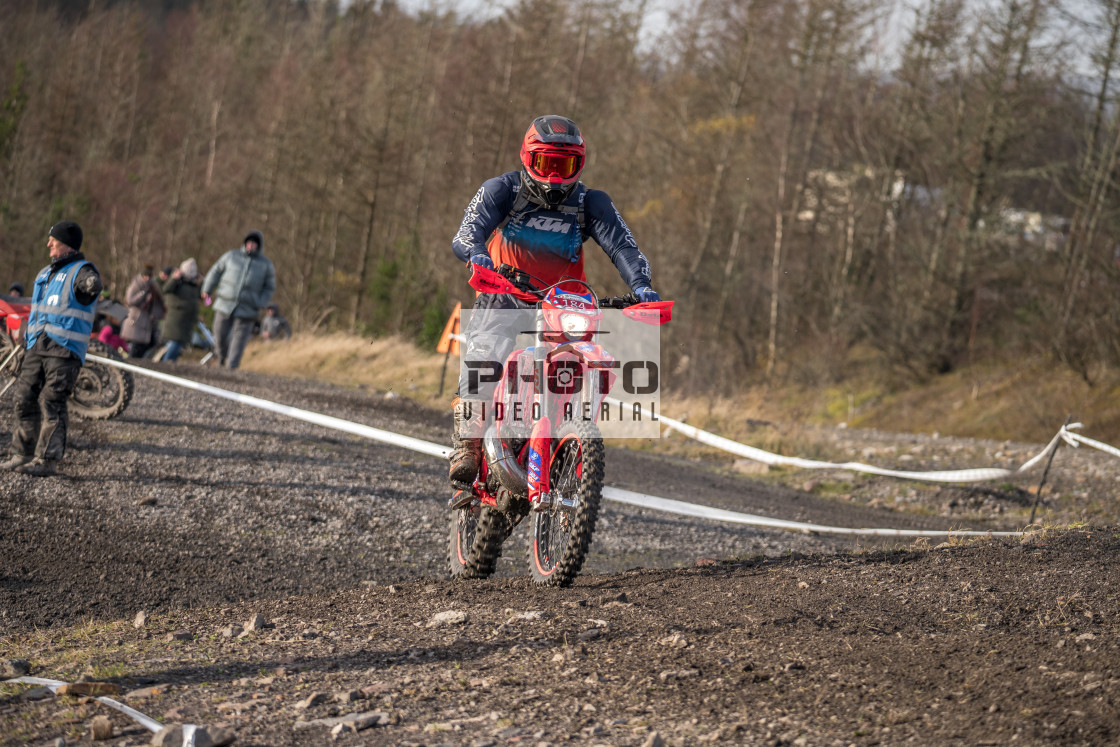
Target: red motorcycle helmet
552,157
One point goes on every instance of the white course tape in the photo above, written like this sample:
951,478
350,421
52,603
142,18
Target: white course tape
1076,439
148,723
733,517
614,494
766,457
376,434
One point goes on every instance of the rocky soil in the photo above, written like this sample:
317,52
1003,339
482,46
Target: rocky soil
204,514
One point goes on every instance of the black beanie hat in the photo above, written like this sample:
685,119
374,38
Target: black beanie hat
69,233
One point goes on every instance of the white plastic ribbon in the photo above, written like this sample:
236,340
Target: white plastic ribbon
613,494
959,475
148,723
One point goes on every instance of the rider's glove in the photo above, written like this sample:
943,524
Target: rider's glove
482,259
647,295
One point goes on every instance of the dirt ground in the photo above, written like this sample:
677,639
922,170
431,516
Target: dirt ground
203,514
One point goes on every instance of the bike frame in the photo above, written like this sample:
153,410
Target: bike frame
538,395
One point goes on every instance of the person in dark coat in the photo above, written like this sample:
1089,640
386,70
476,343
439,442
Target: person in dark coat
63,307
181,293
145,308
275,326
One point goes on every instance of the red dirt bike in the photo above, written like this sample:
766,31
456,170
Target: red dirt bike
542,463
101,392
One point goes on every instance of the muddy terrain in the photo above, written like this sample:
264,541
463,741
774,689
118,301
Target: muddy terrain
203,515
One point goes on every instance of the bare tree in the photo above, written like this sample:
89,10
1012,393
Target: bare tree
1094,185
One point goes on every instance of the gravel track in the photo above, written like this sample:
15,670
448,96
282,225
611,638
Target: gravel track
189,499
202,513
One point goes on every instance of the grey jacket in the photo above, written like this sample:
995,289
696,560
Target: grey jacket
241,283
145,308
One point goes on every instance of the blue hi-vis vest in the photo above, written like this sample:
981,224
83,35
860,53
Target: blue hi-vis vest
56,311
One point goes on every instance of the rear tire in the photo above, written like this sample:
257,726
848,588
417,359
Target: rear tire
559,536
475,542
101,392
6,346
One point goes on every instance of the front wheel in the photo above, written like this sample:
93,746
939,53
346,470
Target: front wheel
561,532
101,392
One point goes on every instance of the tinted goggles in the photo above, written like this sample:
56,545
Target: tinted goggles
546,164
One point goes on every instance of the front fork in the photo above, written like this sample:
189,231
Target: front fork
538,462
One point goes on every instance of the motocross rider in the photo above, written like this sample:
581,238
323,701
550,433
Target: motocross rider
534,220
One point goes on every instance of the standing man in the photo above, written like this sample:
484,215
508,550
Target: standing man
242,283
63,304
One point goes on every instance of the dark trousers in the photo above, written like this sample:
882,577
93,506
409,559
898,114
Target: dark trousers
45,383
231,334
491,335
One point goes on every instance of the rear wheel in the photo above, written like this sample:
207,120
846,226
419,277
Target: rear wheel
101,392
7,373
6,346
561,532
475,542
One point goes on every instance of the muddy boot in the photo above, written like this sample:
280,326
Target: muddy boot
14,461
466,453
39,467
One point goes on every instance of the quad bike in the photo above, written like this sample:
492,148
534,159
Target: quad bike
101,392
542,465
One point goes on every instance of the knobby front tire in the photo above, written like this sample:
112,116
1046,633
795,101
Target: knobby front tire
560,537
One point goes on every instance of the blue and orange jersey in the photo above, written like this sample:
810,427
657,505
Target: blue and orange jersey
547,244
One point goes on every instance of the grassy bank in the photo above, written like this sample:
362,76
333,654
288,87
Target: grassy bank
1025,400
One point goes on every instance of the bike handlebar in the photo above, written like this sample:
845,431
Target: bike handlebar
518,284
619,302
523,282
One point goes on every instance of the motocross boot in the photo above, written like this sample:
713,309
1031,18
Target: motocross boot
39,467
466,453
14,461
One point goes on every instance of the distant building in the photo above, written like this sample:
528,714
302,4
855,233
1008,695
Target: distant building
1047,231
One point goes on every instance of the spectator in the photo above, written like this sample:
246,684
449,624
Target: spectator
110,334
275,326
242,283
145,308
181,292
54,350
15,290
107,322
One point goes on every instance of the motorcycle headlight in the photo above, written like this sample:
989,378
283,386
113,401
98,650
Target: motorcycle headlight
574,326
